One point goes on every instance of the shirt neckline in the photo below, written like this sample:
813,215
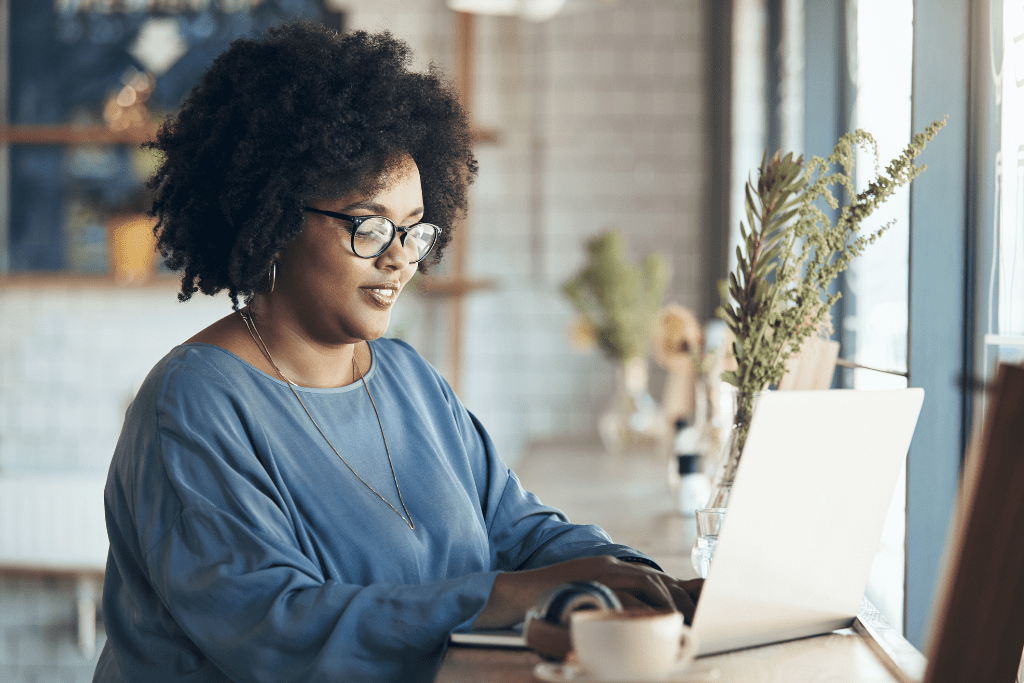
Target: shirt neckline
298,387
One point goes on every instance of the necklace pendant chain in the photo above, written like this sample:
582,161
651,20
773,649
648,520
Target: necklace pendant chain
250,325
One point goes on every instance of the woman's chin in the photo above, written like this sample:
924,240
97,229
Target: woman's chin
377,328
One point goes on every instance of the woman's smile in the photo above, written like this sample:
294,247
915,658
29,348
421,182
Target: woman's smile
383,295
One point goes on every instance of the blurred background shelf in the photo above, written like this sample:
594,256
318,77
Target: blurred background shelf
75,135
101,135
63,280
452,286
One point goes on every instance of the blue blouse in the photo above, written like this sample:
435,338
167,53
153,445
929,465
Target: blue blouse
243,549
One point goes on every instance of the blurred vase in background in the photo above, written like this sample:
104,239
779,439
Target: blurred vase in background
631,417
132,248
617,303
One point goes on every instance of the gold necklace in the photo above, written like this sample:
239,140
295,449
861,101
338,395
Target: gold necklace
250,325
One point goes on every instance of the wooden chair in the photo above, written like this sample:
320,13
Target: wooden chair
979,620
811,368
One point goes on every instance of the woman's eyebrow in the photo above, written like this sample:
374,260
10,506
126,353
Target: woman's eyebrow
378,209
366,205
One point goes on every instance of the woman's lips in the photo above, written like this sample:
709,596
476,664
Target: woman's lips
383,296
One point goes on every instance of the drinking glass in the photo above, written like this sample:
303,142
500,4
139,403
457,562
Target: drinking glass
709,523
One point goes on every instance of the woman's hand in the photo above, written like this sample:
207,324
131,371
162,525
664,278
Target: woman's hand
636,585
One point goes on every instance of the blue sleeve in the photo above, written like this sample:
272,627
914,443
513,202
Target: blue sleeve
525,533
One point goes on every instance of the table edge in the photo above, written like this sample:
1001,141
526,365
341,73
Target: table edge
900,657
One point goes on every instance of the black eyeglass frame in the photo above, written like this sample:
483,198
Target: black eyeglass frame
395,229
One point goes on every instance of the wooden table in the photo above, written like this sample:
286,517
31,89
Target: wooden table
628,496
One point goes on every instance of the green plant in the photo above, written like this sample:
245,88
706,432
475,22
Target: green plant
790,252
618,300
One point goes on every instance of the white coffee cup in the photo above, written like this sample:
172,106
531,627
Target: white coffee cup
631,645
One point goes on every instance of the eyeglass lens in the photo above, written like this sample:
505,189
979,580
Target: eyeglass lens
373,234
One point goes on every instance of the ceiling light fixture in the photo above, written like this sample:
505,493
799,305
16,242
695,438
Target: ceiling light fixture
533,10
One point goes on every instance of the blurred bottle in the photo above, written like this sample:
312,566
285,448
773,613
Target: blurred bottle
692,486
673,456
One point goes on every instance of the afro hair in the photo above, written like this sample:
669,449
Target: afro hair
281,120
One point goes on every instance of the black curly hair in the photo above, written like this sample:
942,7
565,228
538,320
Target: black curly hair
301,114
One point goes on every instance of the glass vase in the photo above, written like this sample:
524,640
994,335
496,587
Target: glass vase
732,451
729,460
630,416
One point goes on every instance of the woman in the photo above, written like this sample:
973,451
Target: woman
293,498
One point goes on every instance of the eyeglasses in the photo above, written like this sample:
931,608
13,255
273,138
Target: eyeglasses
372,235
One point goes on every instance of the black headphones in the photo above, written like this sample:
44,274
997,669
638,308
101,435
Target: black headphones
547,623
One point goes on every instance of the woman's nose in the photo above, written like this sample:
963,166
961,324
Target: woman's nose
395,255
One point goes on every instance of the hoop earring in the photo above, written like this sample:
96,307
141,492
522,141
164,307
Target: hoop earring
272,276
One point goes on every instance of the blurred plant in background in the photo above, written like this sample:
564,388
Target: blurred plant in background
618,304
617,301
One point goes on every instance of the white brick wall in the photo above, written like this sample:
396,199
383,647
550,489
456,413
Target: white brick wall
70,362
611,92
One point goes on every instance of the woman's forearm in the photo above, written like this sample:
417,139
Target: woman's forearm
513,593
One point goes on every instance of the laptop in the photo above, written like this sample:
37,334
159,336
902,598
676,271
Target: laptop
806,514
805,517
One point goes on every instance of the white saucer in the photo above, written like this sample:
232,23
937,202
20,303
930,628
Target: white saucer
553,672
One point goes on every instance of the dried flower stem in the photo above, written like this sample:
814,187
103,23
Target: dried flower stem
791,252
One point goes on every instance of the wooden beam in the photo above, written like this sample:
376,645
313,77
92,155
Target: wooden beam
485,136
100,135
464,29
67,279
75,135
451,286
52,573
464,33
